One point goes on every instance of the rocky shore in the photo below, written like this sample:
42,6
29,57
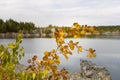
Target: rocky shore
51,35
13,35
89,71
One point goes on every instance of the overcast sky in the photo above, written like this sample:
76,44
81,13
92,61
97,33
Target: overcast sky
62,12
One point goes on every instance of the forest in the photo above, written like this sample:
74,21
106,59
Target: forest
29,27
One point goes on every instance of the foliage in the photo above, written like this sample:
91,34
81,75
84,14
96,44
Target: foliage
14,26
47,67
50,61
103,29
9,58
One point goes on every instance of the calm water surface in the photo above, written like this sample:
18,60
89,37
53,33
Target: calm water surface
108,53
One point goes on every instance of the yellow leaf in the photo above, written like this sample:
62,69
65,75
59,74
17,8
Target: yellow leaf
94,55
66,57
70,52
33,75
83,32
56,56
57,61
47,53
90,50
11,46
61,34
65,52
75,24
75,36
61,40
92,29
61,47
88,56
1,54
79,49
45,72
48,67
54,70
53,51
70,41
19,35
78,27
91,55
51,61
23,73
71,47
53,54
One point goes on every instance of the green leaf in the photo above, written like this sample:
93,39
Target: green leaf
40,75
33,75
23,73
1,54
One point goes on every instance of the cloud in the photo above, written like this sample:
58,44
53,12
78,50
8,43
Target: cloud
62,12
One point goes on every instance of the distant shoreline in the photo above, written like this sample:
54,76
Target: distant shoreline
12,35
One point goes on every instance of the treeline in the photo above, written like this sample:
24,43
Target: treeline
14,26
28,27
103,29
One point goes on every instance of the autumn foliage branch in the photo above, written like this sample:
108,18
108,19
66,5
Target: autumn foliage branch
47,67
50,61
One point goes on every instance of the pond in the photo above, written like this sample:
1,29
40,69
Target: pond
108,53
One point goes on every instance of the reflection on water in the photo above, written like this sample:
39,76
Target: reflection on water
108,53
103,36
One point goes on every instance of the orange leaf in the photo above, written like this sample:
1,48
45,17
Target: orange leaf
65,47
45,58
91,50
